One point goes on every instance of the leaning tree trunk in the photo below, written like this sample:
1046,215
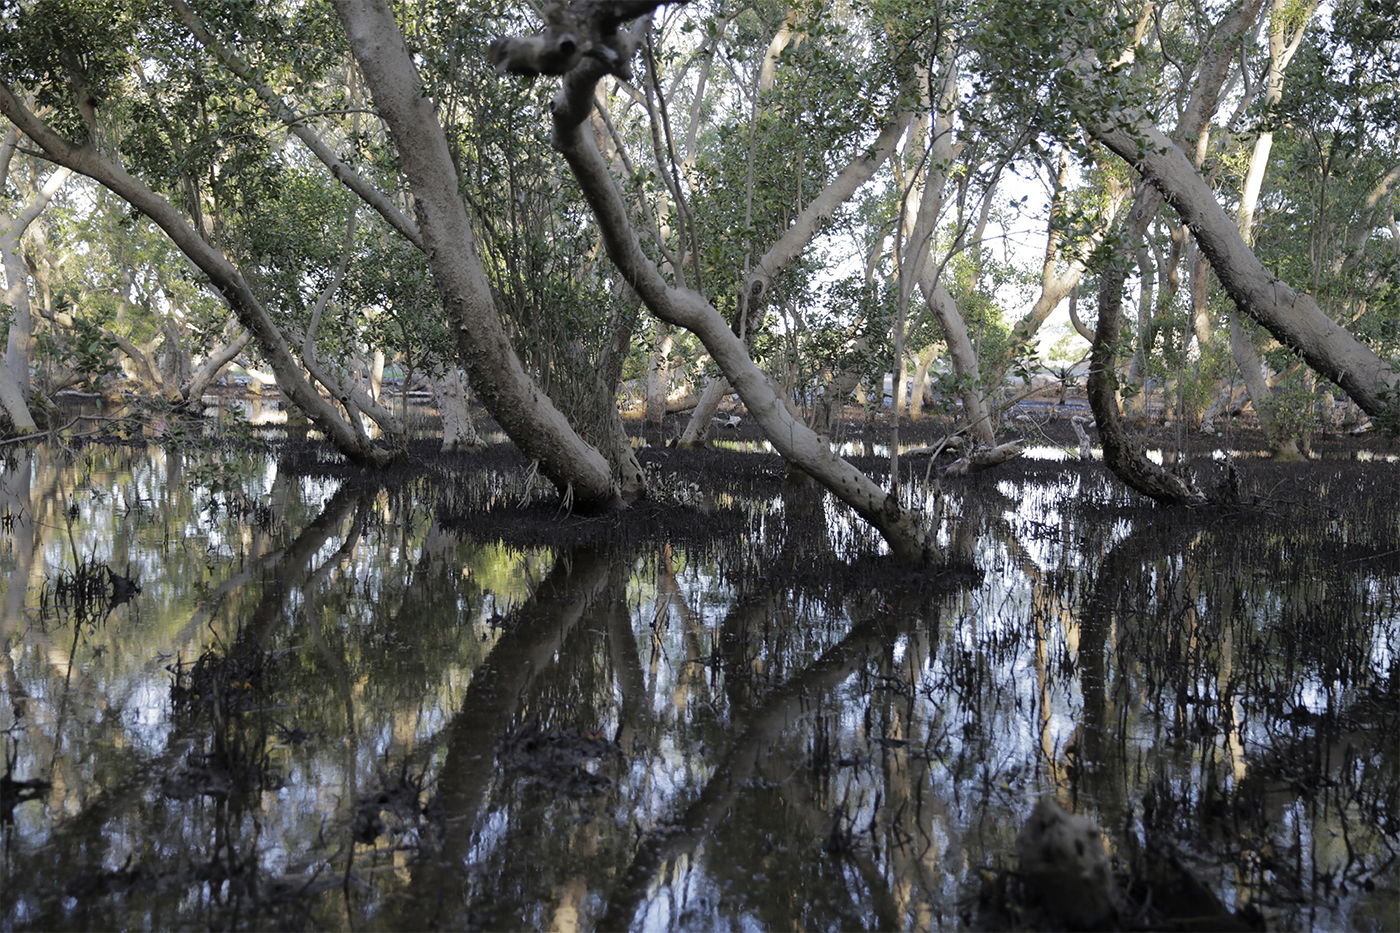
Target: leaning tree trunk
798,444
223,275
790,245
1121,453
1292,317
697,429
581,474
964,357
206,372
1175,179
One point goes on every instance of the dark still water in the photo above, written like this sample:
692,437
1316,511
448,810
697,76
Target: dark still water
336,707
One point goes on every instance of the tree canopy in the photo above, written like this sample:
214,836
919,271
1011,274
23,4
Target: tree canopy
788,200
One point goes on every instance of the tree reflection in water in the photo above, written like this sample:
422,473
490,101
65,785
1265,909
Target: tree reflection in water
325,708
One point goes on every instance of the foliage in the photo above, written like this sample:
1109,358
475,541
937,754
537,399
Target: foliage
84,350
716,172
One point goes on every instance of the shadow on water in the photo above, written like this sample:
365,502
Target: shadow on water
441,704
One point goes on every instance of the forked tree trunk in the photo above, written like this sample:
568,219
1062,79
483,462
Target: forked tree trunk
799,445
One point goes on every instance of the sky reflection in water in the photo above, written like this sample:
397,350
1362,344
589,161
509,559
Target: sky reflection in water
324,709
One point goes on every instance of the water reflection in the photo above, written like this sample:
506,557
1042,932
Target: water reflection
324,709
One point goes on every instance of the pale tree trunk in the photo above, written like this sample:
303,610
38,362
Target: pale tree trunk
206,372
923,362
1201,315
376,374
20,349
1122,454
791,244
697,429
921,272
1293,318
899,391
1282,48
222,274
658,372
964,358
914,242
12,400
458,429
1137,406
14,375
142,365
798,444
580,473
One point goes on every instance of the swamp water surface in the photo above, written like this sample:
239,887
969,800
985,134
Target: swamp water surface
339,706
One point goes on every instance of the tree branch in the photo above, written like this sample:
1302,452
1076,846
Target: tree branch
685,308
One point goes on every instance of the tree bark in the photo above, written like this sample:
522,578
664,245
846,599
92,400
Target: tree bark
1292,317
964,357
580,473
1121,453
797,443
206,372
1282,48
658,375
697,429
458,430
14,379
223,275
1173,178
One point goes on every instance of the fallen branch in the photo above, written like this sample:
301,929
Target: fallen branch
986,458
